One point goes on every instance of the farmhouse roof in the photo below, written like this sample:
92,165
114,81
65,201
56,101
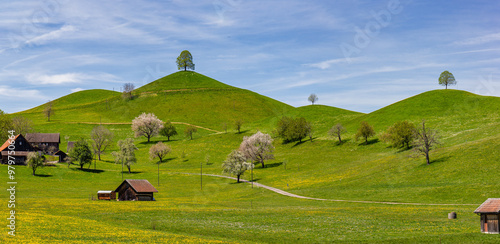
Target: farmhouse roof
7,143
492,205
43,137
139,186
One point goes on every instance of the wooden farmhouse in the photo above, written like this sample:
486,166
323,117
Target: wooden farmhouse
135,190
21,148
106,195
44,141
489,212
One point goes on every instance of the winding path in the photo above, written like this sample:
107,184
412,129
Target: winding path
279,191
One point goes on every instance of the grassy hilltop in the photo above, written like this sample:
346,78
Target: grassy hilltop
55,205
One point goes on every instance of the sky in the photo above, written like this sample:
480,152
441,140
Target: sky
353,54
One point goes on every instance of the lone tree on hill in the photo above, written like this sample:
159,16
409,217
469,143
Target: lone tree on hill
235,164
81,153
185,61
147,125
446,78
337,131
35,160
401,134
313,98
127,90
257,148
168,130
425,140
101,138
366,131
48,111
190,130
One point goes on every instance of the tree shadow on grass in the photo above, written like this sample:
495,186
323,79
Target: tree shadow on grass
242,132
166,160
344,141
435,161
89,170
299,143
125,172
273,165
43,175
370,142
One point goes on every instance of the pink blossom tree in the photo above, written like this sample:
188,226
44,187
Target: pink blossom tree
147,125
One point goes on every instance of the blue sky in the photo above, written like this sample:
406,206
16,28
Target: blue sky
357,55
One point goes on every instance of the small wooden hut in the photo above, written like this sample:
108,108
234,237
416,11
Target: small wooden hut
489,212
136,190
106,195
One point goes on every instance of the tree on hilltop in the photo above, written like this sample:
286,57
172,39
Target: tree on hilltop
185,61
446,78
313,98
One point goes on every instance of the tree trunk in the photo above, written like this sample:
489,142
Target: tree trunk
149,136
238,178
128,169
168,138
34,171
366,140
185,67
340,140
427,157
99,155
81,166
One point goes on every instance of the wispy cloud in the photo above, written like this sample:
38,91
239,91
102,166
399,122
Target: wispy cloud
53,35
70,78
480,39
7,91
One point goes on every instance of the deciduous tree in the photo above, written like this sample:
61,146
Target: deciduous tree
159,150
337,131
366,131
190,130
313,98
257,148
101,138
237,125
127,90
147,125
426,139
22,125
5,125
35,160
446,78
293,129
126,154
235,164
168,130
400,134
81,153
48,111
185,61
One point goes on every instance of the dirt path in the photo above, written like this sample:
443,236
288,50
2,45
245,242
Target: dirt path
130,123
279,191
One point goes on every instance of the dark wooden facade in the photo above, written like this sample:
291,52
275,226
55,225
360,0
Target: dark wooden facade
44,141
106,195
21,149
490,214
136,190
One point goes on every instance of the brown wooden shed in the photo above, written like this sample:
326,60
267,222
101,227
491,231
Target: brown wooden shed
106,195
136,190
489,212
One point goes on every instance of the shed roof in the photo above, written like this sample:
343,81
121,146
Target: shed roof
7,143
492,205
104,192
43,137
139,186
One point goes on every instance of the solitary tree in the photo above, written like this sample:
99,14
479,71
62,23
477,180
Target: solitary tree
257,148
446,78
159,150
35,160
235,164
147,125
81,153
168,130
237,125
101,138
185,61
127,90
337,131
190,130
126,154
22,125
366,131
48,111
400,134
312,98
426,139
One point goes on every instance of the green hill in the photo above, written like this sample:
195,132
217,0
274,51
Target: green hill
182,80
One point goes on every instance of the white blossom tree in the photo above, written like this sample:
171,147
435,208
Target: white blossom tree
258,147
235,164
147,125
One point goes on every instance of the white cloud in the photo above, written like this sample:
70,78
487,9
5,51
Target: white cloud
7,91
479,40
42,39
76,90
54,79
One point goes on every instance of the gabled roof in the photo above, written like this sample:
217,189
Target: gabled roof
43,137
492,205
7,143
139,186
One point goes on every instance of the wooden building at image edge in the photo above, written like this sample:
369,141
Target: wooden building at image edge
136,190
489,212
